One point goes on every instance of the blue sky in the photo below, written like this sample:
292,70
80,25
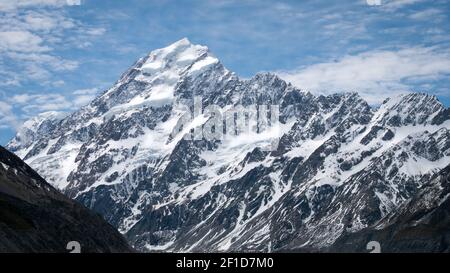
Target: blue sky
57,55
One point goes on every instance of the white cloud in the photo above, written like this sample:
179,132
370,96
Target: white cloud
32,104
21,99
58,83
21,41
393,5
7,117
9,5
53,62
95,31
88,91
41,21
84,96
30,33
36,103
8,77
46,21
374,74
427,14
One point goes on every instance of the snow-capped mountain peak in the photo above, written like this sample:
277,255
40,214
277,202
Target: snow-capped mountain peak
32,128
153,80
177,58
339,165
412,108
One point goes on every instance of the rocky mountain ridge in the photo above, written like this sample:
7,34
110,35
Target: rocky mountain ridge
339,165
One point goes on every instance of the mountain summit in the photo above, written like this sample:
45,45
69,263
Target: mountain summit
339,166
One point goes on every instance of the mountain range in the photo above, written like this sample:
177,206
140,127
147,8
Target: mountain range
342,172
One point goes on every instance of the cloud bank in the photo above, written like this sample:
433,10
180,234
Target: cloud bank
374,74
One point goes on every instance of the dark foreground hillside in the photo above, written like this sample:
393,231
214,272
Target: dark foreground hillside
34,217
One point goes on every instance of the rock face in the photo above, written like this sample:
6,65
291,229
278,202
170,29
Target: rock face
339,166
422,224
35,217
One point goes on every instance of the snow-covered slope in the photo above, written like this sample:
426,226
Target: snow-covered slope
338,166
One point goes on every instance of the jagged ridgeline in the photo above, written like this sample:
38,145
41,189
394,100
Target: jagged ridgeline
340,166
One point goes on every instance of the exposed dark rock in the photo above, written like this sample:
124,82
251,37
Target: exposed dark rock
34,217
